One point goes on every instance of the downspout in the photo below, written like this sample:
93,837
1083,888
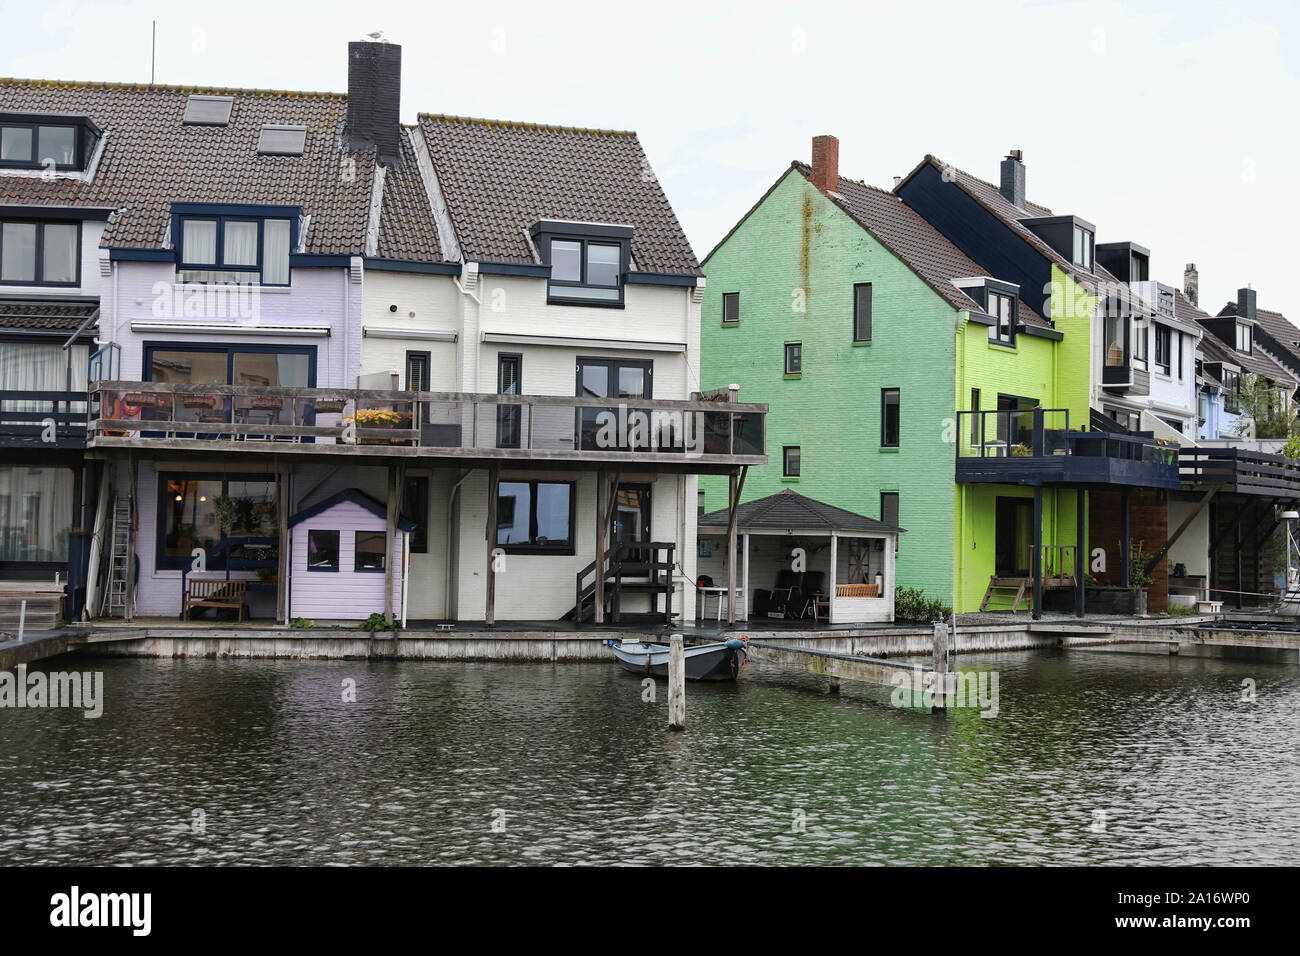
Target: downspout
959,571
451,541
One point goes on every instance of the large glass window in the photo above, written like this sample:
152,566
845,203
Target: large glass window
41,367
40,253
1083,247
36,510
293,367
212,512
586,271
1113,340
535,517
608,378
323,550
234,249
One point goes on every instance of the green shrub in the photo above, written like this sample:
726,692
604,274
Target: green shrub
913,604
376,622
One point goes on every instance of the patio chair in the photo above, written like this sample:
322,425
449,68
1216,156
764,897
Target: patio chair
782,596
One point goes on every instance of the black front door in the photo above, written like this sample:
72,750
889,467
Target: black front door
1014,537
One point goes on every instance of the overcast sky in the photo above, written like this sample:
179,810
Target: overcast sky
1170,124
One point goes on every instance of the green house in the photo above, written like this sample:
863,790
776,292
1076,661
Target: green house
873,339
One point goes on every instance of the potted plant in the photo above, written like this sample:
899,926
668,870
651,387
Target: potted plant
199,401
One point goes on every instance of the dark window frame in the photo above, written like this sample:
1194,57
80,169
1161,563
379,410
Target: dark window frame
555,287
1164,337
858,288
338,551
356,566
415,505
785,461
221,214
1243,330
795,366
423,386
39,266
510,417
884,418
78,150
994,301
165,562
568,546
884,517
732,298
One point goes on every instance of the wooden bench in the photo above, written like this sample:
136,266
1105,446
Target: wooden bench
215,593
857,590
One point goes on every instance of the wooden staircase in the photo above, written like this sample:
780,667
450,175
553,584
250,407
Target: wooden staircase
639,568
999,588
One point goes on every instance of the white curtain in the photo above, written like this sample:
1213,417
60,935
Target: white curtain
275,252
240,248
200,242
35,513
41,367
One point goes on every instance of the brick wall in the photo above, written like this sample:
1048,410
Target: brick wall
1148,525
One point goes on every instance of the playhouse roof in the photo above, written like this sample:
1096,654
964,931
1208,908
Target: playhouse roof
788,510
356,497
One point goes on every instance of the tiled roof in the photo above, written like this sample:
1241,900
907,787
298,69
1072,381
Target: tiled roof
1214,349
406,226
499,178
790,510
151,159
1185,311
45,316
920,246
987,195
1278,327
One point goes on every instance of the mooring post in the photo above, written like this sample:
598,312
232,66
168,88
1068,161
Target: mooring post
940,666
676,683
22,619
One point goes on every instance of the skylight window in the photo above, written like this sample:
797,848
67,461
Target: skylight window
282,140
208,110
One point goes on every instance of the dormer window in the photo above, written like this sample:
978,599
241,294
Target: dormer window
588,261
36,142
242,244
1003,309
1082,248
1245,336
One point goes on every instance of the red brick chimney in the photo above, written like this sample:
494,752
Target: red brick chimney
826,163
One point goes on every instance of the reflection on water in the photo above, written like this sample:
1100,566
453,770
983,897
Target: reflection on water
579,770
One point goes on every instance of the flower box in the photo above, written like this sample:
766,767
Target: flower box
329,406
199,401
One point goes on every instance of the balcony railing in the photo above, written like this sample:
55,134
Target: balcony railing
453,424
42,419
1244,470
1037,445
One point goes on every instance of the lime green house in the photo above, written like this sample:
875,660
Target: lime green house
908,382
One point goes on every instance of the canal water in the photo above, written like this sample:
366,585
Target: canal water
1094,758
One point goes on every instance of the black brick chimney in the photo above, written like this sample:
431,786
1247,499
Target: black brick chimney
374,99
1012,186
1246,303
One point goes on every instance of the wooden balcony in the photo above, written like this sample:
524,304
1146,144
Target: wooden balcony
464,428
1241,471
38,419
1036,446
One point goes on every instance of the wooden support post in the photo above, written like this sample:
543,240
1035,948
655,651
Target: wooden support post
598,596
1036,558
1125,557
494,486
1236,531
128,613
676,683
390,534
284,494
1080,552
939,664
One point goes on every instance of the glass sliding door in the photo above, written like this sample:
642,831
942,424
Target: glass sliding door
611,378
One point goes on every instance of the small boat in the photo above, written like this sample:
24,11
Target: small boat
721,660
